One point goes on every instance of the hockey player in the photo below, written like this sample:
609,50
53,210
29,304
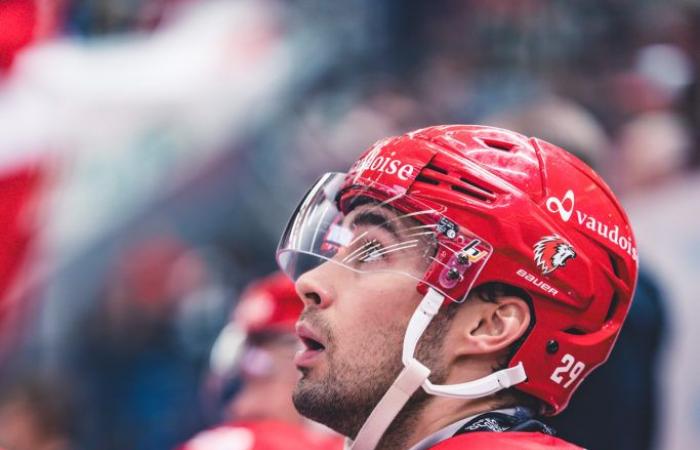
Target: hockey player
459,283
257,347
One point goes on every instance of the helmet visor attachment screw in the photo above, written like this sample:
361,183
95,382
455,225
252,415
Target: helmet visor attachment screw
453,274
462,258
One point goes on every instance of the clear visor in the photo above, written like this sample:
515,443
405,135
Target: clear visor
379,230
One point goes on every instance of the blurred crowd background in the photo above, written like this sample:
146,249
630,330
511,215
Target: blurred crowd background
171,140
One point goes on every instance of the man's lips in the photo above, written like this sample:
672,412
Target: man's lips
313,346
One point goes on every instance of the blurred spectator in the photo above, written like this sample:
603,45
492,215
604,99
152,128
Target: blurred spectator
22,178
36,414
263,435
90,18
17,20
652,148
255,353
653,142
131,355
576,129
24,23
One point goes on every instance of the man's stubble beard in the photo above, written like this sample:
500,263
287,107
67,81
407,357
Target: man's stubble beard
346,396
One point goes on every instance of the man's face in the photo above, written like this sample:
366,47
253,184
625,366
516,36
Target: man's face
359,318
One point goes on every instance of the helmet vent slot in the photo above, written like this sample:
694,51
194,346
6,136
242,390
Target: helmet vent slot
475,190
486,191
575,331
614,265
471,193
436,175
436,168
423,179
613,307
498,144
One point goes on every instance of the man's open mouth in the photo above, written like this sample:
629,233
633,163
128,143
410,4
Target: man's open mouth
313,346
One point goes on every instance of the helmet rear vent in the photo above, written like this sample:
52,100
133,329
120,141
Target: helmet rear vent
436,168
431,178
485,191
575,331
613,307
613,264
498,144
436,175
424,179
473,191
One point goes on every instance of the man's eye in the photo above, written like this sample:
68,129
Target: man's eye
370,251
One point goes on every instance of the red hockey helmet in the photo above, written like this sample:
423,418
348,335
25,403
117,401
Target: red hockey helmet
496,206
267,305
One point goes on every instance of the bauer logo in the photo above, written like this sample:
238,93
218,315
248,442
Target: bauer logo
536,282
551,253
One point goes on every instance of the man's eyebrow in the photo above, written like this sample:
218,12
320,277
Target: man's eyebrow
376,219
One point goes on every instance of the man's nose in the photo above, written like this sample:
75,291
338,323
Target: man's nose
315,287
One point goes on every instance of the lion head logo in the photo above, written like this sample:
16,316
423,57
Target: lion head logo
552,252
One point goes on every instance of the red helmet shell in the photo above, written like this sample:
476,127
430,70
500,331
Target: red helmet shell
268,304
556,229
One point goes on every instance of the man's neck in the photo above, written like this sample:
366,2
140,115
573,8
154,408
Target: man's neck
414,424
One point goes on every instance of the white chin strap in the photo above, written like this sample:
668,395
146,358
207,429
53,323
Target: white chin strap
415,375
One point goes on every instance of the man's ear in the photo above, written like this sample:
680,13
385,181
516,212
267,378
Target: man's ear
489,327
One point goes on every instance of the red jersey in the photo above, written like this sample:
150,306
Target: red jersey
266,435
514,440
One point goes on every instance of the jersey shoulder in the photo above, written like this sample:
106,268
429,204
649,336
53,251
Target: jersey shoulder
265,435
516,440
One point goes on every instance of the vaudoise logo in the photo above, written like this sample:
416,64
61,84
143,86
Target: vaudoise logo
566,207
375,162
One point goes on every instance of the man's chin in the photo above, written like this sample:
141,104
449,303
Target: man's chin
309,396
323,402
312,385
